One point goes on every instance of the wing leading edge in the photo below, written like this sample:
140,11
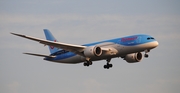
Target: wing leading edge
78,49
40,55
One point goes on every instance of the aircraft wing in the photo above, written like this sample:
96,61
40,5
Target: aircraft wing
68,47
40,55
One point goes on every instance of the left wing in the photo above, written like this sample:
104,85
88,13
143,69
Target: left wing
40,55
78,49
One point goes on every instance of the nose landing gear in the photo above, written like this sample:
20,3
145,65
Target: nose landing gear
146,55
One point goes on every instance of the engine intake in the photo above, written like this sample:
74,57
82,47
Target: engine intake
134,57
93,51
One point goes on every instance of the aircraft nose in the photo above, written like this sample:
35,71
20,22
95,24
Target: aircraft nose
155,43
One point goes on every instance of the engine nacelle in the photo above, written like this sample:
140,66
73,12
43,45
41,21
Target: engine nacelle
134,57
93,51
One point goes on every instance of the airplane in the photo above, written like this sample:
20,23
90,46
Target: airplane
129,48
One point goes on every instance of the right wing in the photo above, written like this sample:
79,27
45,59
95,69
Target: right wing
78,49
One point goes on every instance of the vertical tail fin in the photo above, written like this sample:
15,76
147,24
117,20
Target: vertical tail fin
50,37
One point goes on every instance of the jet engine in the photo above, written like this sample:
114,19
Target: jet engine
93,51
134,57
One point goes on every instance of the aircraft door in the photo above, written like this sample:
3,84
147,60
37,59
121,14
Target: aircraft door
138,40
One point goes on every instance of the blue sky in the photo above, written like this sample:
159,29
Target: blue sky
85,21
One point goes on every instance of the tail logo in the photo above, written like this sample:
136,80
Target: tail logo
52,47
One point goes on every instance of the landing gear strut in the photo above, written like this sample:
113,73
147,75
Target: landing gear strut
107,66
87,62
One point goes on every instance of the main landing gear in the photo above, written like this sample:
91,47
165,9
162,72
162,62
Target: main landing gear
107,66
87,63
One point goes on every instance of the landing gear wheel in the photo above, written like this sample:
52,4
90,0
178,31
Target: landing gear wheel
90,62
110,65
107,66
146,55
86,64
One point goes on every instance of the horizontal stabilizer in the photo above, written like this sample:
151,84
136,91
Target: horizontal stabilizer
40,55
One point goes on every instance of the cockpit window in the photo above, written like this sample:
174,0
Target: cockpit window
150,38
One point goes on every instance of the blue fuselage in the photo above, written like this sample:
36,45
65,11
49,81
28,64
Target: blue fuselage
123,46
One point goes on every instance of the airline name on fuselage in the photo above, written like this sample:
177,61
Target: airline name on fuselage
128,39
